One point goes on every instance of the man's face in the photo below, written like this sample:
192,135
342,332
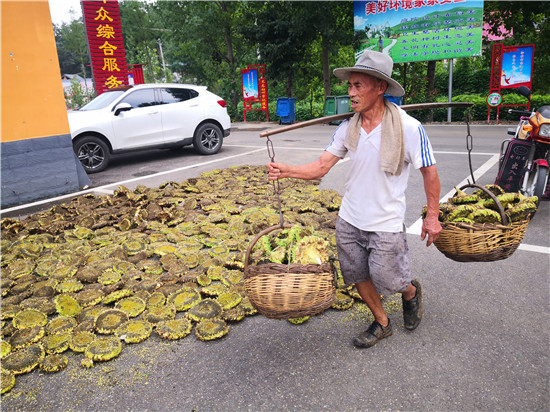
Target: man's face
364,91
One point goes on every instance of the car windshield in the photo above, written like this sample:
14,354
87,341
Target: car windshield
103,100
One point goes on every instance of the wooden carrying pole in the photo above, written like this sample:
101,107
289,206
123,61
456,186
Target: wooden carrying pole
344,116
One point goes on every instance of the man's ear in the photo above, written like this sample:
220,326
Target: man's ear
383,86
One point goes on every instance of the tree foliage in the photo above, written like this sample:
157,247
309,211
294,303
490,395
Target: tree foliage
301,42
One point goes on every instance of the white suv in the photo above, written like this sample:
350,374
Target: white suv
148,116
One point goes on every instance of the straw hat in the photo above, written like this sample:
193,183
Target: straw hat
376,64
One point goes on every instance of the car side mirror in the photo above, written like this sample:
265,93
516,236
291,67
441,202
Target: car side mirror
122,107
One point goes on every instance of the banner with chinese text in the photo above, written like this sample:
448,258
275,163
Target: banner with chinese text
517,66
106,44
420,30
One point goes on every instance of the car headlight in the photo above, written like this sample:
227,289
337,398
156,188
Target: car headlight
544,130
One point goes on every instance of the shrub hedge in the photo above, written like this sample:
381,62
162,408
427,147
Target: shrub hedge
306,110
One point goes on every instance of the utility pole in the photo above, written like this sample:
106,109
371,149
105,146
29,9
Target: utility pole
162,57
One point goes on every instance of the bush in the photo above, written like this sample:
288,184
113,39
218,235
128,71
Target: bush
480,109
306,110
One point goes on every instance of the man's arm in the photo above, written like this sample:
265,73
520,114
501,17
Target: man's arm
308,171
432,187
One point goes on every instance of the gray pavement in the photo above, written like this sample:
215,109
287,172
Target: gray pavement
482,345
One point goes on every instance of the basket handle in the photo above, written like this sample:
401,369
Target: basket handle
497,202
258,236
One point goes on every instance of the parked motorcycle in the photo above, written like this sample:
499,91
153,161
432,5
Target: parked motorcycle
524,160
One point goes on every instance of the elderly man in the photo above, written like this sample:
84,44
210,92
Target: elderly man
383,142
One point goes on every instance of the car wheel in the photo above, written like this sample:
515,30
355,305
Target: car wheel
93,153
208,139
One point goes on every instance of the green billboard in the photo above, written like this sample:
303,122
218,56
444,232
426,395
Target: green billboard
419,30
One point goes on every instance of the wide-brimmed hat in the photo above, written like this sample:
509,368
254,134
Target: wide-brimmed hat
375,64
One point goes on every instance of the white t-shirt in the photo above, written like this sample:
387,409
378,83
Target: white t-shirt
374,200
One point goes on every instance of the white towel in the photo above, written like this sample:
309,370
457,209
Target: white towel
392,147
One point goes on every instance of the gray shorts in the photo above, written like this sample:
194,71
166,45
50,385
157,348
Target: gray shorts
380,256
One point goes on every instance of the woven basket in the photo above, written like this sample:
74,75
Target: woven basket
285,291
478,242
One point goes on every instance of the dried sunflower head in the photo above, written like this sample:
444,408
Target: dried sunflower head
26,336
90,297
80,340
57,343
29,318
174,329
24,360
160,313
66,305
205,309
235,314
210,329
8,380
229,300
103,349
132,305
298,321
53,363
116,295
134,331
342,301
5,348
108,277
184,299
108,321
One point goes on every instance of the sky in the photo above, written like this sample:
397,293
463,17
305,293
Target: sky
60,10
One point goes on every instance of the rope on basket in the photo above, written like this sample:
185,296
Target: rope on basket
469,143
276,185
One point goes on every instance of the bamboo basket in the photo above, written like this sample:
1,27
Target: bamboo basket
479,242
285,291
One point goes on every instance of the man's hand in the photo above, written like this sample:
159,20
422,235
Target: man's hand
430,227
275,170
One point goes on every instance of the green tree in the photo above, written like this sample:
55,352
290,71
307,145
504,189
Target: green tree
72,45
529,22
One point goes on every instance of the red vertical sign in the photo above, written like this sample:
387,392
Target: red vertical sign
104,34
255,89
512,66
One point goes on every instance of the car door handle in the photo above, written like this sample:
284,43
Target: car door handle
194,105
155,112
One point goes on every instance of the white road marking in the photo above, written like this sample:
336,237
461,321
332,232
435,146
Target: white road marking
105,189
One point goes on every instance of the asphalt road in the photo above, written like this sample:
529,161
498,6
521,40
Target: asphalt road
482,345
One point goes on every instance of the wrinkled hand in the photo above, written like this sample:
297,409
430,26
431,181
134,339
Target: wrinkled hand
275,171
430,227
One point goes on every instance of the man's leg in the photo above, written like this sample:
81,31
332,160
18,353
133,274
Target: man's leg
412,305
381,327
372,298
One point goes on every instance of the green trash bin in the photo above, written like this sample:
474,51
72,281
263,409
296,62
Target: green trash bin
330,106
336,105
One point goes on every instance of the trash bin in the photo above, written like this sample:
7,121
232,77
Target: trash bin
286,110
397,100
330,106
336,105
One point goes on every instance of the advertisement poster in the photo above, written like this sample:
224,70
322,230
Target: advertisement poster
420,30
255,90
250,85
517,65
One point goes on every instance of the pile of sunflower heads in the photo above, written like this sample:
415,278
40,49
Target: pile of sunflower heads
86,278
480,207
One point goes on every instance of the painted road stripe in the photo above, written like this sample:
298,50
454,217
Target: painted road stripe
105,189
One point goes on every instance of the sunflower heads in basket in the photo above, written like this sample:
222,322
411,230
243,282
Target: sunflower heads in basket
294,245
479,207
